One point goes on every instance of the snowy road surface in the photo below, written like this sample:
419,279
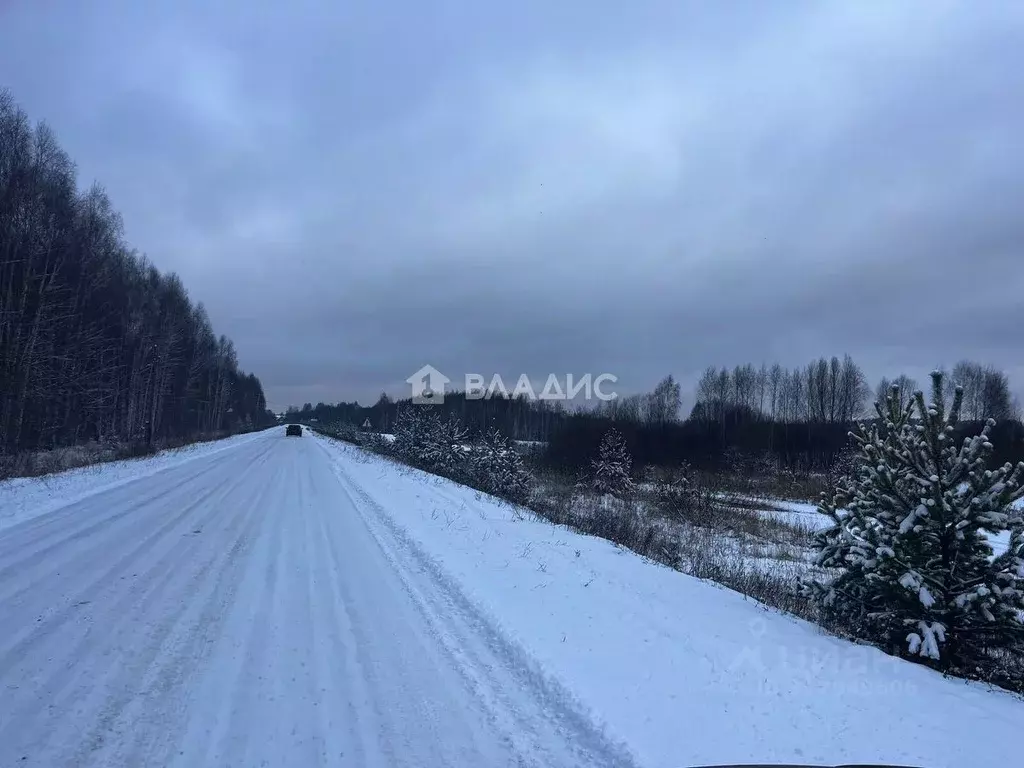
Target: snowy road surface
273,601
242,610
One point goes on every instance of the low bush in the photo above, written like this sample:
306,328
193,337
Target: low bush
61,459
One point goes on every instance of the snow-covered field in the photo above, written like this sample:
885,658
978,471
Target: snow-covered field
297,602
806,515
798,513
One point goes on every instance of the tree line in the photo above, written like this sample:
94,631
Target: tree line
518,417
826,391
95,342
986,391
830,391
791,418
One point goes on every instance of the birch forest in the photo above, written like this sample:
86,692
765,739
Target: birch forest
96,344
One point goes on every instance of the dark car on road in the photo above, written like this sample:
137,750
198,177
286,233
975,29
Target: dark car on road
293,430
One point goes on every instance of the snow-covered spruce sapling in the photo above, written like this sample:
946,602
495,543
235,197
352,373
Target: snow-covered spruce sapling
426,440
910,538
410,433
443,450
497,467
612,466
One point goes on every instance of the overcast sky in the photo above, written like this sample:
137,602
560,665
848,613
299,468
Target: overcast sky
357,188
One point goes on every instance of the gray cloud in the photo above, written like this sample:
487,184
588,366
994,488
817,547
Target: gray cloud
637,188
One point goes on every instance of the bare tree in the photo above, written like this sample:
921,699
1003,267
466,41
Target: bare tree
905,389
761,387
664,402
775,382
853,391
996,398
744,382
986,392
834,393
794,397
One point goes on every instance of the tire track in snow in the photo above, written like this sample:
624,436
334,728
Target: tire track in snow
419,708
132,512
342,645
123,625
78,520
253,671
144,553
204,738
175,652
494,667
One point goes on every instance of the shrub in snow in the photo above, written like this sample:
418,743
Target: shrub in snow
612,466
425,440
677,488
841,467
373,441
909,539
681,497
497,468
410,434
444,450
343,430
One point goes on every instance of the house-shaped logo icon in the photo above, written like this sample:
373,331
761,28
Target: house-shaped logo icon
428,385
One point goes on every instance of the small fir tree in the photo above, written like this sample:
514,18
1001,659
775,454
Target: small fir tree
497,468
612,466
911,535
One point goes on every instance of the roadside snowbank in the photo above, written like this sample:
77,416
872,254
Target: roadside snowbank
23,498
683,671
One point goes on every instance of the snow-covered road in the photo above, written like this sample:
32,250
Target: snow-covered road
273,601
247,609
